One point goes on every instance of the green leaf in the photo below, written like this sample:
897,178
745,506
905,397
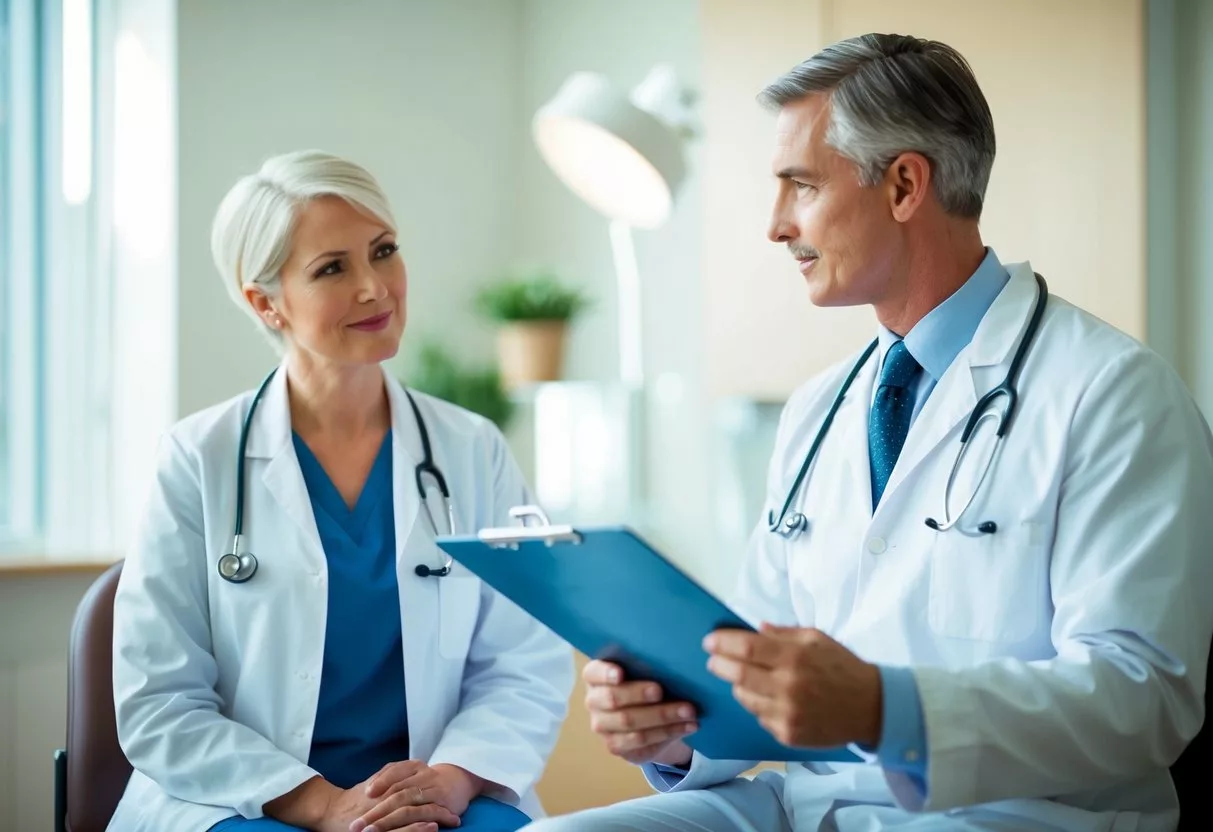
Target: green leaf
477,389
535,297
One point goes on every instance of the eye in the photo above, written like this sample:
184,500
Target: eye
803,187
386,250
331,268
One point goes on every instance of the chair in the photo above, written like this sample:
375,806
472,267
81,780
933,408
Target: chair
91,772
1191,773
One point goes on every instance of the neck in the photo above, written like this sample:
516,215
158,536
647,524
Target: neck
339,402
932,275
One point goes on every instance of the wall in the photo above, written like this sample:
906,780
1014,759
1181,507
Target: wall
423,94
1181,189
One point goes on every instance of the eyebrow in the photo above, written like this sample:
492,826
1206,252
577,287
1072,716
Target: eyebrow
799,173
343,253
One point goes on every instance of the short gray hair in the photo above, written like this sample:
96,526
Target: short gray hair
892,94
251,234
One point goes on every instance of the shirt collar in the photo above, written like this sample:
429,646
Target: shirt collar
939,337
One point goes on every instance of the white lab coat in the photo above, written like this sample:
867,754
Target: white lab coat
216,684
1061,661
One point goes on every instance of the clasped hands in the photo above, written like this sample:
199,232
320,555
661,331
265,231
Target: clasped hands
407,796
804,687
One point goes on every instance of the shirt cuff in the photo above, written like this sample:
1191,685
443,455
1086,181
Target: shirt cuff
903,738
670,776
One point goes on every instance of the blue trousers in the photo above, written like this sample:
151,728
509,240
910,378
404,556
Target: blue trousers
483,815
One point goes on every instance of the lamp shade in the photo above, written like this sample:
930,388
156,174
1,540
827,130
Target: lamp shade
619,158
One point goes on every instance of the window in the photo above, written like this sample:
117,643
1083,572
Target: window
21,412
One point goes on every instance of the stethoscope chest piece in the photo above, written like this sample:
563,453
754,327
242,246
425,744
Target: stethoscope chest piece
237,568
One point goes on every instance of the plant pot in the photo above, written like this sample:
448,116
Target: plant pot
531,352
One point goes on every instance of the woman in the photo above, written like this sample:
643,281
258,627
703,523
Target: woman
337,679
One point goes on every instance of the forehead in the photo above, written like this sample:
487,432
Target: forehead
800,131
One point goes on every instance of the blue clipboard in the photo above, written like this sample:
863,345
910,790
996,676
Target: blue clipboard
612,596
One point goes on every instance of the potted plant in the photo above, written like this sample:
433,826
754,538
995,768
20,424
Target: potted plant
478,389
533,312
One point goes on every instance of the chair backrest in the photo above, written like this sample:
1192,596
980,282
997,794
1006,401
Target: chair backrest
1191,773
97,770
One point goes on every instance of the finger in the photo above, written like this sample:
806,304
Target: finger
391,774
614,697
758,704
641,718
602,673
633,742
402,817
755,648
741,674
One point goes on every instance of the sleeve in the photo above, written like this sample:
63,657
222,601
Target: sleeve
903,738
167,710
1129,576
517,680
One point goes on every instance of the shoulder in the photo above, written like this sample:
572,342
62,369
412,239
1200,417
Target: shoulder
210,434
1084,354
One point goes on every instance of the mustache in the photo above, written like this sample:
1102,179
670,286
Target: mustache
803,252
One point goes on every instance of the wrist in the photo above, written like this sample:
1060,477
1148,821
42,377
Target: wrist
462,779
305,806
678,754
871,726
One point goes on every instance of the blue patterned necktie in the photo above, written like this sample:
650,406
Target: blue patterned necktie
889,421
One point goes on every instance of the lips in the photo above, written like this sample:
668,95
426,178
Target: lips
372,324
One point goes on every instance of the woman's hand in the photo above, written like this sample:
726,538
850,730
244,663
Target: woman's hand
448,786
356,810
413,783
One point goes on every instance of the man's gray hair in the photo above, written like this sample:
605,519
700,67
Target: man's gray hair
892,94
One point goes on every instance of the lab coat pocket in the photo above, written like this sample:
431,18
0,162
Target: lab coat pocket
989,588
458,608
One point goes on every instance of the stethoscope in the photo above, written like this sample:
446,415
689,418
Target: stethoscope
792,524
238,567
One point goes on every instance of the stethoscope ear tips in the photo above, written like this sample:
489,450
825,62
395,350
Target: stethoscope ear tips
932,523
988,527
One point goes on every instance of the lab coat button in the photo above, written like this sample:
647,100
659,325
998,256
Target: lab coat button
877,545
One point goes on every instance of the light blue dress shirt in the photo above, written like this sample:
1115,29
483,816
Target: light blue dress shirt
934,342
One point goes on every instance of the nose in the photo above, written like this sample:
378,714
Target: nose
783,227
371,286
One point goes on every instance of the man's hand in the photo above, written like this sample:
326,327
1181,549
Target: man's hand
633,720
805,688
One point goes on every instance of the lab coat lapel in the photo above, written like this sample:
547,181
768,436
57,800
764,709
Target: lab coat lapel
270,438
414,545
852,418
980,367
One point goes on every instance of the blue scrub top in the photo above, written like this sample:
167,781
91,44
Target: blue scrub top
361,718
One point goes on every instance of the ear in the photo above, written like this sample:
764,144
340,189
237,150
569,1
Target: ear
907,183
260,303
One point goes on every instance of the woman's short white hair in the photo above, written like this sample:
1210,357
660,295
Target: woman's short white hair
251,235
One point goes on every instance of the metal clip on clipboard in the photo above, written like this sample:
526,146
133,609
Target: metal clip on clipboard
543,530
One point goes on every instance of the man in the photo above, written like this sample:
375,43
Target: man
1033,661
